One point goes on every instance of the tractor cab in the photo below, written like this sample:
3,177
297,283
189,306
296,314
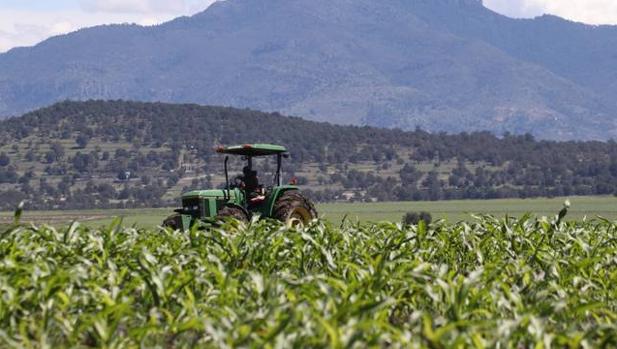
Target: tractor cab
245,196
255,191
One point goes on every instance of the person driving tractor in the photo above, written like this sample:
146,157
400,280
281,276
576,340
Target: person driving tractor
251,185
250,180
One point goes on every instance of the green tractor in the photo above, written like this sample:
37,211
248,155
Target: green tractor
245,197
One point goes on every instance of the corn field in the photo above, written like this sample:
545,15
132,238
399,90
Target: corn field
529,282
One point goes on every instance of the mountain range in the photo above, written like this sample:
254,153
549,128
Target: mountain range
441,65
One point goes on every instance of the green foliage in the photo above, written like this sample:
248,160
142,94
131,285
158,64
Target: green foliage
494,283
415,218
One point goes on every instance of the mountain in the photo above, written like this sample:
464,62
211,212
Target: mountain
442,65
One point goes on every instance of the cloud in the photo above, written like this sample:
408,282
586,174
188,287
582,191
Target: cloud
61,27
26,28
135,6
587,11
14,32
22,27
516,8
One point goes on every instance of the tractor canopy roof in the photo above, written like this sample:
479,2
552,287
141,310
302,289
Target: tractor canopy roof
214,193
253,150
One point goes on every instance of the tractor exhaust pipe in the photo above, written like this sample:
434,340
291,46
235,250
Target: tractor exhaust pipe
227,194
279,160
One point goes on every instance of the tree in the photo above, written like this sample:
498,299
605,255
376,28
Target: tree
82,141
83,162
409,175
434,185
4,160
50,157
58,150
30,156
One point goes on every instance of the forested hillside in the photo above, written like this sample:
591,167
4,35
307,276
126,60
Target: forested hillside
128,154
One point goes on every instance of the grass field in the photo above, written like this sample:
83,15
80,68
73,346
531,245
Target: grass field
452,211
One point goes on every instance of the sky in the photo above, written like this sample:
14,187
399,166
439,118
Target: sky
27,22
586,11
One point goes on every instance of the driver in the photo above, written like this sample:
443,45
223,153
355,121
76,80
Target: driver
251,182
251,185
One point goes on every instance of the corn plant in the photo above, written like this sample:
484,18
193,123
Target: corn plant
494,283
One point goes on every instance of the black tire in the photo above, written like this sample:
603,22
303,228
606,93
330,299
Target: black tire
294,209
232,212
173,222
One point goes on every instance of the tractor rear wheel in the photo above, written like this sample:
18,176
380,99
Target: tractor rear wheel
294,209
232,212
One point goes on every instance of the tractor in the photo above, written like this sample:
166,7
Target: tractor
245,198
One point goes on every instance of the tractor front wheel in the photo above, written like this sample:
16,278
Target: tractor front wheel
173,222
294,209
232,212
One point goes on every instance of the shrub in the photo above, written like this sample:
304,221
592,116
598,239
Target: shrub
413,218
4,160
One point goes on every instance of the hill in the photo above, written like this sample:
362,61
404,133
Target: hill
443,65
129,154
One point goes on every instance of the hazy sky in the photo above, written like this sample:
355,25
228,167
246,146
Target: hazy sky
587,11
27,22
